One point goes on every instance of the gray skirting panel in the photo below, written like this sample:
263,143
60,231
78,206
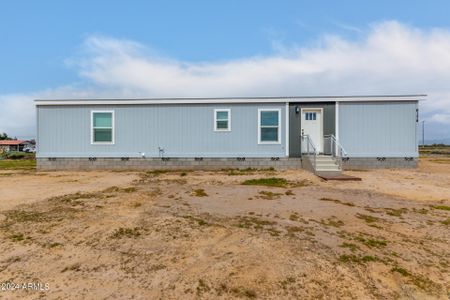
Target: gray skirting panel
165,163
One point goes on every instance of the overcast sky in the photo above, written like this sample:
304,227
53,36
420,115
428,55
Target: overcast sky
53,49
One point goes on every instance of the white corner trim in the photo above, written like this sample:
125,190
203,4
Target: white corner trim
287,129
229,119
278,110
112,123
336,118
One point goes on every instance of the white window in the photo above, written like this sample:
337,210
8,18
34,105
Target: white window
102,127
269,129
222,120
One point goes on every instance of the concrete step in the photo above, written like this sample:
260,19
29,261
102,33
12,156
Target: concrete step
330,164
327,168
324,159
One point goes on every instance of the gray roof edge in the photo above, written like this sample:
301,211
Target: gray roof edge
245,98
230,100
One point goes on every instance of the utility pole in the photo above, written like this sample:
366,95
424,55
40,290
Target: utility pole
423,133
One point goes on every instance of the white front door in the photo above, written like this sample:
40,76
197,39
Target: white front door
312,126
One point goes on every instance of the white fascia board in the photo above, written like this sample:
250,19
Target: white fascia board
228,100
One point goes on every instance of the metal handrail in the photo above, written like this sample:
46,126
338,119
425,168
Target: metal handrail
335,149
338,144
309,146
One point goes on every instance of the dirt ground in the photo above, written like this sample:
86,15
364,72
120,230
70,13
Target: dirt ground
206,235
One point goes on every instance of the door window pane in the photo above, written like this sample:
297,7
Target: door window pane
310,116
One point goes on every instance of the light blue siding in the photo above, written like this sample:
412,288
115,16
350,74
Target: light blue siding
378,129
181,130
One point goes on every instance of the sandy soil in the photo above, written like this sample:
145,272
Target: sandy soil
24,187
204,235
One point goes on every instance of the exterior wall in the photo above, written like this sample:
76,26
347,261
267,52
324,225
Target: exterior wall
295,125
46,164
181,130
378,129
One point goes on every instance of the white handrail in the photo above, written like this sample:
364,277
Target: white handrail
336,149
337,143
314,153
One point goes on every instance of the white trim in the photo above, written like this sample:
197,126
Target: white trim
321,119
215,119
112,128
279,126
286,144
336,118
230,100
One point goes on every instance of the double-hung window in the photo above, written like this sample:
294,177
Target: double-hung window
222,120
269,126
102,127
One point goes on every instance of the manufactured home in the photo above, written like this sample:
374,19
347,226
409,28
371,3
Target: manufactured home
321,134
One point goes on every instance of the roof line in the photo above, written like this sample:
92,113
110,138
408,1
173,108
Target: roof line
243,98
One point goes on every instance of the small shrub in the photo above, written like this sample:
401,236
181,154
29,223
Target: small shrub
22,216
441,207
372,243
357,259
199,193
17,237
401,271
254,222
15,155
157,172
337,201
53,245
294,217
268,195
74,267
199,221
351,246
202,287
272,181
396,212
126,233
446,222
368,218
332,221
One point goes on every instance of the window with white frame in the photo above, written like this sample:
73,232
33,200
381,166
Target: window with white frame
222,120
269,126
102,130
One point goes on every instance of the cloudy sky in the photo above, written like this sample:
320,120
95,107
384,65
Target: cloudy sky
57,50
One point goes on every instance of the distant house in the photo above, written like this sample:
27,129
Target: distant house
13,145
322,134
